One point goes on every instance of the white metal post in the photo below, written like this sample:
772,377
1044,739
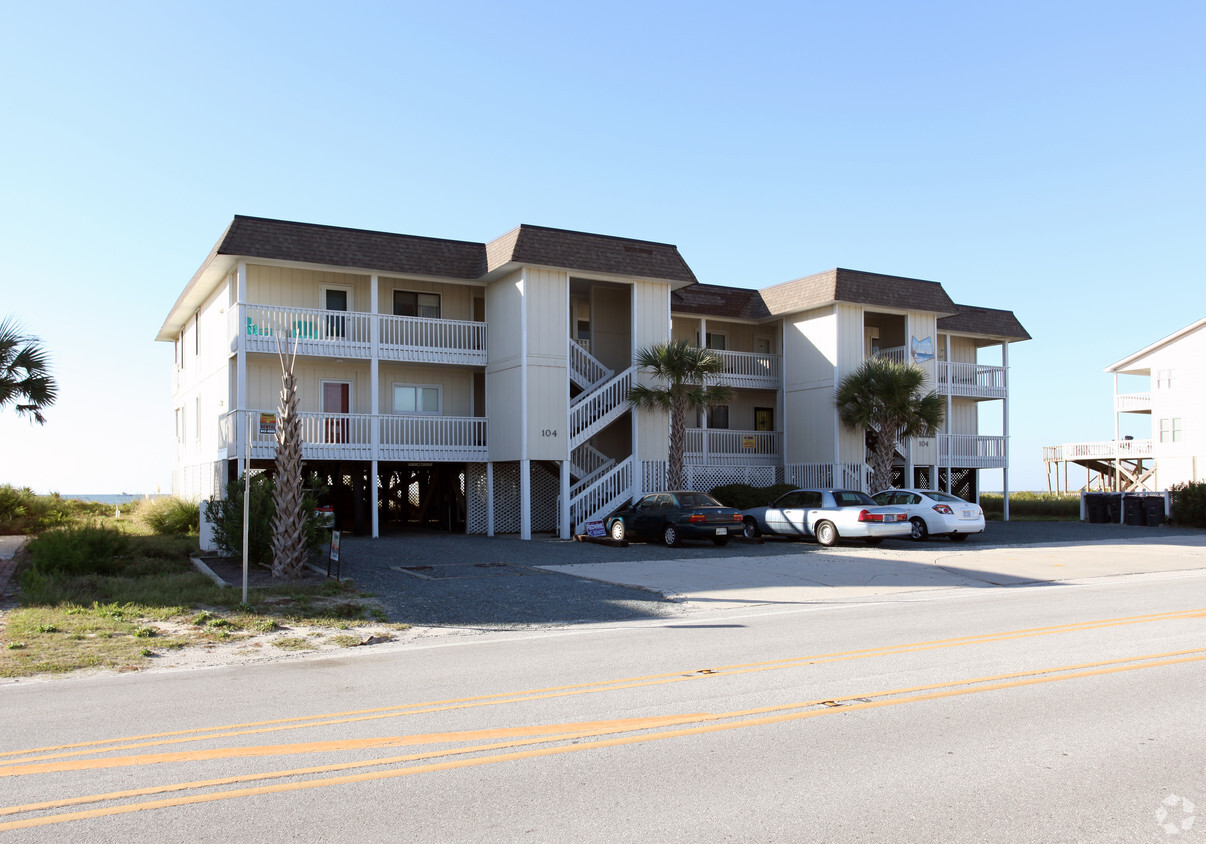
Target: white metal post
246,506
374,401
1005,432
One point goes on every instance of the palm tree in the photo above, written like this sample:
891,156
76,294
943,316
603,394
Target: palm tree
685,371
884,398
289,549
24,372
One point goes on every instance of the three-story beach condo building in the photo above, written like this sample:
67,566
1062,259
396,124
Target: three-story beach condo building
482,387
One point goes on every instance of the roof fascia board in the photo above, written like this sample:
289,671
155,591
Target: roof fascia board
1131,360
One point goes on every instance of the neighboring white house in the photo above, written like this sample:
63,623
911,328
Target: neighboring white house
482,387
1174,402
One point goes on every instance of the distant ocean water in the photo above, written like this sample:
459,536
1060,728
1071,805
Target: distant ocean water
122,498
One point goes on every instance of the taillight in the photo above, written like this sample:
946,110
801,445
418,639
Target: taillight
696,517
943,509
868,516
736,517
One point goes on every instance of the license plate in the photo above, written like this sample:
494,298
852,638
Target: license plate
968,514
722,531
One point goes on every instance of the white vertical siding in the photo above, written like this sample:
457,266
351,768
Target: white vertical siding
547,303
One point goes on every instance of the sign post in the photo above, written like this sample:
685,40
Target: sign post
246,504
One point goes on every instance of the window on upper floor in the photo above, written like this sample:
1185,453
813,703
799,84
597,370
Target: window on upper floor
1164,379
718,417
410,303
417,398
1170,430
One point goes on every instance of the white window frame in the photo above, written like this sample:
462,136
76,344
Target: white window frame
711,333
1164,379
439,411
322,382
418,293
1171,430
324,286
197,418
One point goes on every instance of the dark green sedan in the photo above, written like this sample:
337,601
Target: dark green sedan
674,516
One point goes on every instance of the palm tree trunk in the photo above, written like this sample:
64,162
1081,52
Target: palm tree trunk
288,525
677,446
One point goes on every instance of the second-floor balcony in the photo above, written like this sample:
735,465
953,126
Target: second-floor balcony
363,436
350,334
726,447
1133,403
972,451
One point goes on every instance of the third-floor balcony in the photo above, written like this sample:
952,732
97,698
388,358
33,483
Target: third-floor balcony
750,370
973,380
350,334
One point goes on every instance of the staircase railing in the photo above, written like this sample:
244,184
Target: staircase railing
584,368
592,412
604,495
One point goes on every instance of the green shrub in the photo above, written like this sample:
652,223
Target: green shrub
79,550
1038,506
226,515
1189,504
21,511
744,496
171,516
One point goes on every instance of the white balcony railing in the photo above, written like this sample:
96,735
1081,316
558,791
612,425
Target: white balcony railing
432,340
347,334
973,379
749,369
724,447
1106,450
973,452
900,354
349,436
1133,403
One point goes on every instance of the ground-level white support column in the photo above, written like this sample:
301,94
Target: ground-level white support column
1005,432
374,397
489,499
525,499
373,499
564,517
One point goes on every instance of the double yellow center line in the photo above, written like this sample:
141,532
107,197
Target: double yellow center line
552,739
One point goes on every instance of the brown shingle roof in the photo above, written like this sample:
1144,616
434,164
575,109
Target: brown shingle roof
861,288
987,321
715,300
256,237
589,253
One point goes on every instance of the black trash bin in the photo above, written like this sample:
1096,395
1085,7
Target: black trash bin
1095,507
1132,510
1113,507
1153,507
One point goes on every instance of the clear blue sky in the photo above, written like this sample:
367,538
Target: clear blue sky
1047,158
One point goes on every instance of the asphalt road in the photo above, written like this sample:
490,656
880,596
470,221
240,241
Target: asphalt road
1066,713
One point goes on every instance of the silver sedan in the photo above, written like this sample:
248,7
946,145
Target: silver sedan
828,515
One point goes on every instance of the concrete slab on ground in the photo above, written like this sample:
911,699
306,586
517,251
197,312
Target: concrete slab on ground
850,572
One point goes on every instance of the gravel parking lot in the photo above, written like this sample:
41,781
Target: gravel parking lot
437,580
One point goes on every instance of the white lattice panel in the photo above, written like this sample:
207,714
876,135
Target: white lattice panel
506,498
476,513
546,489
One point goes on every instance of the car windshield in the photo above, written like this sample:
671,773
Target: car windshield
697,499
850,498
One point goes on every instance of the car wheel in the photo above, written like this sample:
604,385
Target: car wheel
670,536
920,531
827,534
617,530
873,540
749,529
720,541
959,537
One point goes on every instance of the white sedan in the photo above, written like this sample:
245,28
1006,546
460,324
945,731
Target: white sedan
934,513
827,515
